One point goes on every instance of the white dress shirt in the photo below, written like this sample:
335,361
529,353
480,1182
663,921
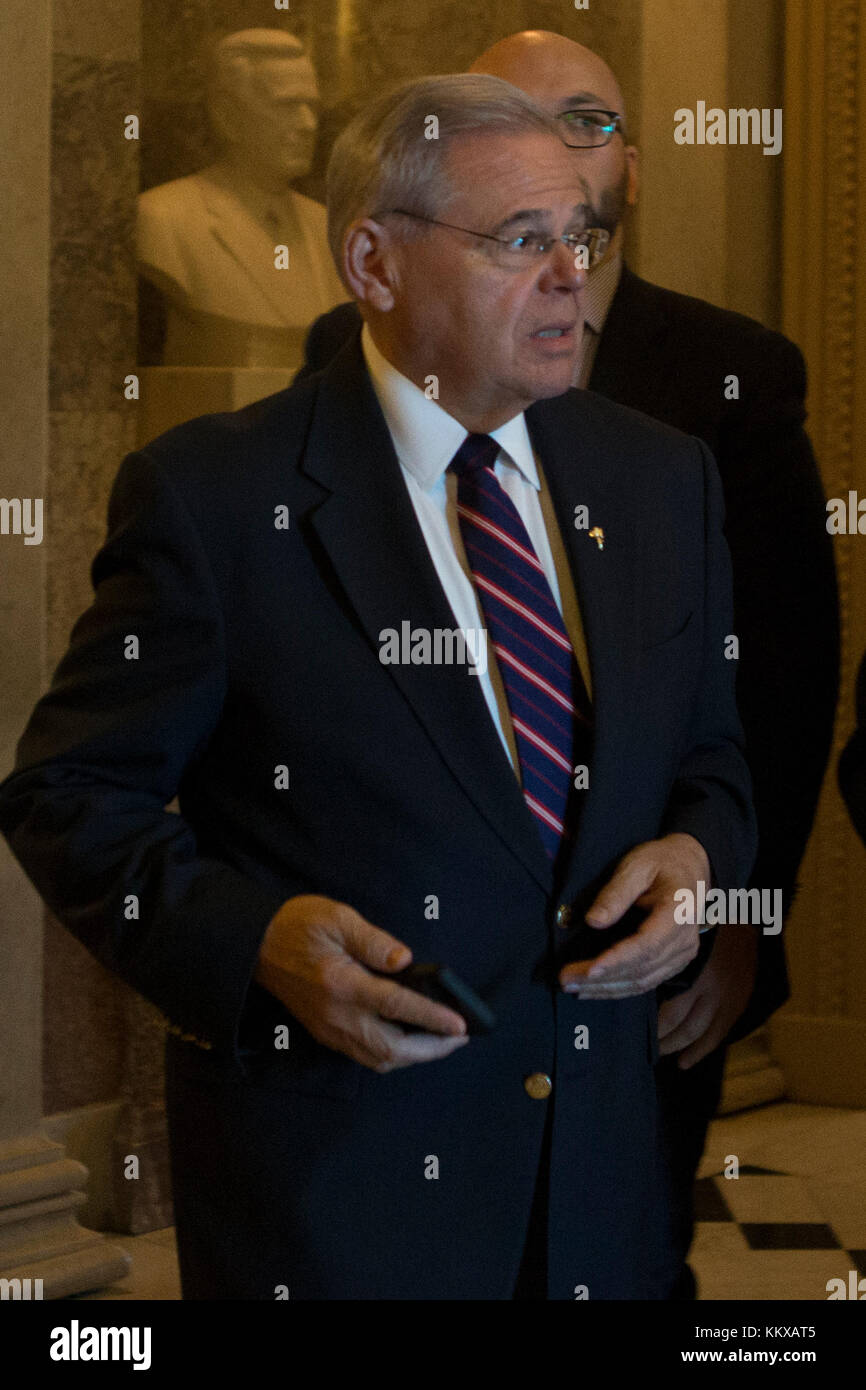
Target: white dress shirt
426,438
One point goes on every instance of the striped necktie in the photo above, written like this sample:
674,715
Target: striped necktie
547,698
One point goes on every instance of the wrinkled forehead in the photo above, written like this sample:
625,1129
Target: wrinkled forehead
600,94
528,175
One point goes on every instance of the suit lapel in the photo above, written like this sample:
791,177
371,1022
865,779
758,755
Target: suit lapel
631,362
580,465
371,535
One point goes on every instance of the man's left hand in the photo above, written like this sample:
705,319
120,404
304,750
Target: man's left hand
648,876
697,1021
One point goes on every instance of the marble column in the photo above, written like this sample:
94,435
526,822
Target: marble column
107,1083
40,1187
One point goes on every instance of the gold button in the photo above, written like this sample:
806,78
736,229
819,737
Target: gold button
563,915
538,1085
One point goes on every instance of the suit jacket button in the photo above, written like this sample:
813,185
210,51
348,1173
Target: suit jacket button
563,915
538,1085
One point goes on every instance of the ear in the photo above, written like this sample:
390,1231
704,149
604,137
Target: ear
632,158
367,265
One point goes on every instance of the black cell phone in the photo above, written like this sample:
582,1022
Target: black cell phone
444,986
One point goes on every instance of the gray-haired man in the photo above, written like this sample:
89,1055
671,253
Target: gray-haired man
671,356
343,815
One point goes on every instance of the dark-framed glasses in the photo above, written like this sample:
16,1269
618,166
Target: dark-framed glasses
585,129
526,248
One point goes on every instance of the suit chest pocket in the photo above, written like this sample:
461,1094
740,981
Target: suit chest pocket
664,630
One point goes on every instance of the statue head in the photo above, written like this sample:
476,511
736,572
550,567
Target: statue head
263,101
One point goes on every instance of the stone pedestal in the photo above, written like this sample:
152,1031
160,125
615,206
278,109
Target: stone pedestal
171,395
40,1238
752,1077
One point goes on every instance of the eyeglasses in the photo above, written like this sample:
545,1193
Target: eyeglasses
584,129
528,247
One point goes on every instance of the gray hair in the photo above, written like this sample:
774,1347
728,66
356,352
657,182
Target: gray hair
383,160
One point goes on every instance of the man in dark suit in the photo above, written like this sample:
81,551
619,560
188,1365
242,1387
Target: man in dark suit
674,357
262,645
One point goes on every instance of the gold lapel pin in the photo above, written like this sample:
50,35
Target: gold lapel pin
597,535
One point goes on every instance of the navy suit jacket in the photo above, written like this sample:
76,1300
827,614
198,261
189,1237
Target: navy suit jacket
258,649
670,355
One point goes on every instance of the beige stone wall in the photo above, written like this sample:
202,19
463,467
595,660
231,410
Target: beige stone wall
24,253
708,221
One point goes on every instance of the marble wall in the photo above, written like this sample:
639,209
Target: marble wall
100,1042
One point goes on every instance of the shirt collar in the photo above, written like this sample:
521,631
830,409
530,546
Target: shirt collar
425,436
601,286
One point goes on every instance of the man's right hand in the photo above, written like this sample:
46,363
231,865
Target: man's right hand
317,958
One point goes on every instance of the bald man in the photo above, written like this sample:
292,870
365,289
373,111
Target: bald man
668,355
208,242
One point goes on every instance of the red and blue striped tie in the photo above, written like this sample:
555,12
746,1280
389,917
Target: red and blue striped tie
547,698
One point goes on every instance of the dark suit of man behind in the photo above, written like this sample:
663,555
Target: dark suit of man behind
258,652
674,356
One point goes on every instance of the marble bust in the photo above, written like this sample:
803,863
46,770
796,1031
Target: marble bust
207,241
